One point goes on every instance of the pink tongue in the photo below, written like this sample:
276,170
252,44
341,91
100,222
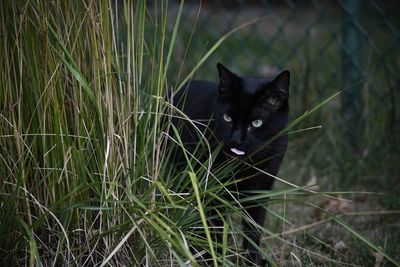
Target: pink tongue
237,151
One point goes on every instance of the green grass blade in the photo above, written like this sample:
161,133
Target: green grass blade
194,180
363,239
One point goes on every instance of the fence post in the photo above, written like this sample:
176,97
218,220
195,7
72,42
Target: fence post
352,75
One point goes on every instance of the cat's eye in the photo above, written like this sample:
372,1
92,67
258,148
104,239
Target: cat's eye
227,118
257,123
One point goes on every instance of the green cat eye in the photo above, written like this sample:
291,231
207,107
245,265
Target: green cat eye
227,118
257,123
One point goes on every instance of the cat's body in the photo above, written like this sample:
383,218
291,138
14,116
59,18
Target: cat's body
244,114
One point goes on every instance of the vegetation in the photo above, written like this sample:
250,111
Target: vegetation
85,158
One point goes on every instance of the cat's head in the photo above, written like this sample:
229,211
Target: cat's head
250,110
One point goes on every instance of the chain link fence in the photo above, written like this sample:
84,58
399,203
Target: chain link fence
328,46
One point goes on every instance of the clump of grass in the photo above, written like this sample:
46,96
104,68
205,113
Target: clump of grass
87,175
86,160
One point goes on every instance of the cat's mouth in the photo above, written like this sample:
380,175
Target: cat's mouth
237,151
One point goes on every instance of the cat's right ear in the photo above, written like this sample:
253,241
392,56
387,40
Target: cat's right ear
228,81
281,84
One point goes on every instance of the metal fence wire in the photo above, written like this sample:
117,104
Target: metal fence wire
327,45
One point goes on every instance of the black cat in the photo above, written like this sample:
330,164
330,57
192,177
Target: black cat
244,114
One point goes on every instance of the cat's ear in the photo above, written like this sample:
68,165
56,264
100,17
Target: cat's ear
228,81
281,85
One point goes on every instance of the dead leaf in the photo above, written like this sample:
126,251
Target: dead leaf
336,205
378,259
312,183
340,246
333,206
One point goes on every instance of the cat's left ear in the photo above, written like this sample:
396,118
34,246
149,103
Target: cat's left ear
281,84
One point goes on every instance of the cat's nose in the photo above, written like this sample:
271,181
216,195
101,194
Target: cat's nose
236,138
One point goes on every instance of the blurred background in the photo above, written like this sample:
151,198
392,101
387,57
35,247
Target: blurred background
328,46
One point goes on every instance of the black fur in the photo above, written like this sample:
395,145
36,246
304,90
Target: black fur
244,100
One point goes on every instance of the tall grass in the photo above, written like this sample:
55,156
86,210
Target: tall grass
85,158
86,175
80,135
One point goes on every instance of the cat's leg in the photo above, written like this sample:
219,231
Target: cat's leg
215,226
253,234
